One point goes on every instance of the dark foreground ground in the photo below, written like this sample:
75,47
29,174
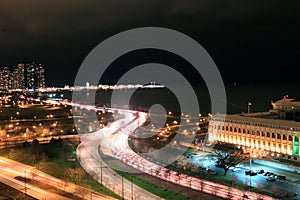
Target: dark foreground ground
7,192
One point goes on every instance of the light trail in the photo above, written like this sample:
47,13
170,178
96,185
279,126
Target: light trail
118,138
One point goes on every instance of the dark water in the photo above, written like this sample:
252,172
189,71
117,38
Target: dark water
238,96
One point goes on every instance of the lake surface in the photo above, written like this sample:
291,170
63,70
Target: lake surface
237,98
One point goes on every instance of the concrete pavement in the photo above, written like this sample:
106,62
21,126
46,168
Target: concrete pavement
110,178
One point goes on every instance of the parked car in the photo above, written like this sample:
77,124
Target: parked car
271,173
261,171
281,177
271,179
247,172
266,174
253,173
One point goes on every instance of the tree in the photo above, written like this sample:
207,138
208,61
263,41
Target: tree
25,144
229,155
35,142
52,141
74,174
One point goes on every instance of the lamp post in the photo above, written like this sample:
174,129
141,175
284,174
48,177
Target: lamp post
250,163
122,186
101,175
25,189
101,166
18,114
249,104
131,188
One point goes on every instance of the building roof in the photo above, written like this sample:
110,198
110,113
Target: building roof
275,122
287,102
257,114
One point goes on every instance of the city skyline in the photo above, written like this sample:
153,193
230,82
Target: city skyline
22,76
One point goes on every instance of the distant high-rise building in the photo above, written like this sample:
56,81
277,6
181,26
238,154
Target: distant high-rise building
31,76
5,79
41,76
35,75
18,77
1,80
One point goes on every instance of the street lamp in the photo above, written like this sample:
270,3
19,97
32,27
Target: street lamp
250,163
122,186
249,104
33,130
131,188
122,189
18,114
101,174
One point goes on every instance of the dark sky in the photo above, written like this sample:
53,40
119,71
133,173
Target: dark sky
251,41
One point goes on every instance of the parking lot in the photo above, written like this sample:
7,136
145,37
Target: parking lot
260,176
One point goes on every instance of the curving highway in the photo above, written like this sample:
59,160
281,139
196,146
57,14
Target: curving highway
113,141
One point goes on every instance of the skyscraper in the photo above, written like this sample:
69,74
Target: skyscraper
18,77
5,79
31,76
35,76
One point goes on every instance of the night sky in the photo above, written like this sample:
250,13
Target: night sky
251,42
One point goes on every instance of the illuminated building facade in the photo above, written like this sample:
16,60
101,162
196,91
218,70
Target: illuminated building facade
260,136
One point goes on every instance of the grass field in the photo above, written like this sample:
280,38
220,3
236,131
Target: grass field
155,189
